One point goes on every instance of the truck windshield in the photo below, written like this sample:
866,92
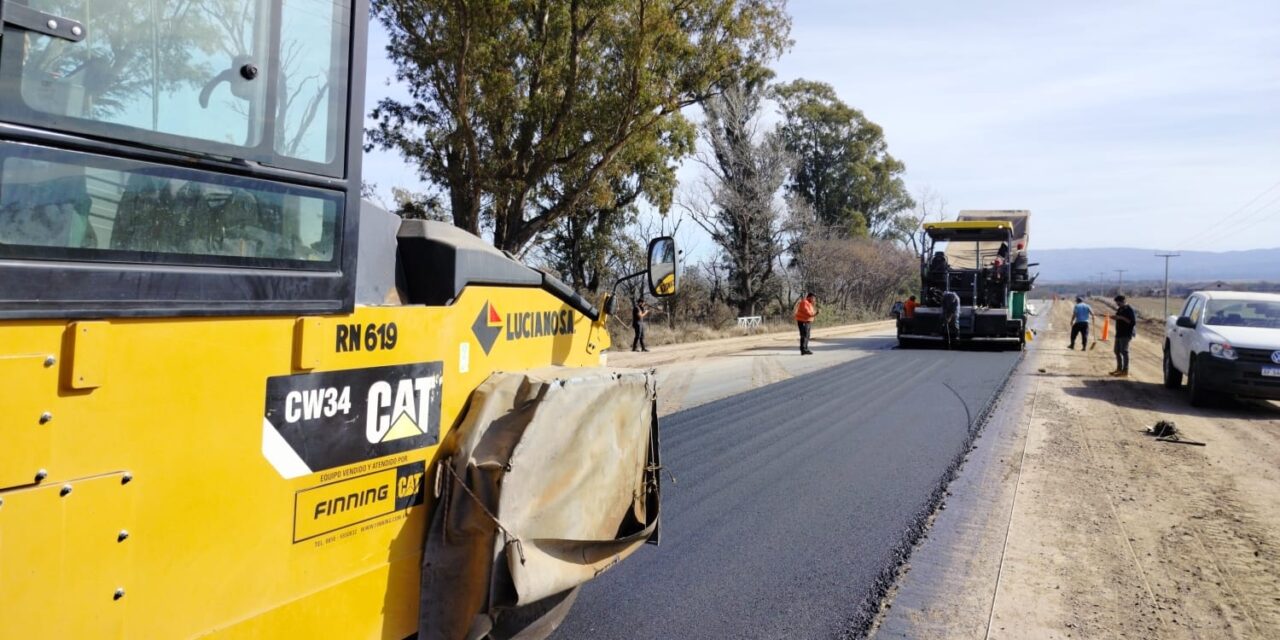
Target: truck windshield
1243,313
262,80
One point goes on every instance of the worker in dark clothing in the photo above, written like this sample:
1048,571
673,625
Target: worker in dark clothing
1126,328
639,311
951,317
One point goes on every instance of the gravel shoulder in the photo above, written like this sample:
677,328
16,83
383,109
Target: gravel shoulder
1070,522
692,374
620,356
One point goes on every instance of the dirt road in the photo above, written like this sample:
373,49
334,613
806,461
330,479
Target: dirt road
1078,525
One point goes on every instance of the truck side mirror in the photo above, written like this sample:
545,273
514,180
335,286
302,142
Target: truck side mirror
1185,322
663,267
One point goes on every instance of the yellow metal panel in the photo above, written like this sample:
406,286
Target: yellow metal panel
309,335
29,366
216,549
88,354
66,569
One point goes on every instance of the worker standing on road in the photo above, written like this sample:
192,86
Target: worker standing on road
951,316
1081,314
639,311
1126,328
806,311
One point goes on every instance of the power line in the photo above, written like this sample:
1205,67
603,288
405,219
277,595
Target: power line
1224,231
1227,217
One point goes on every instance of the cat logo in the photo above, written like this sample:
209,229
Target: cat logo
400,411
487,327
318,421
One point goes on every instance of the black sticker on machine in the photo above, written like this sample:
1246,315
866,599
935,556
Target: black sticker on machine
336,418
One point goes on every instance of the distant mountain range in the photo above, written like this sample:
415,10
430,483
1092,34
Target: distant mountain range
1084,265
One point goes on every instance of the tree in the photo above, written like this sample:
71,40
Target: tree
843,167
854,274
416,205
739,208
525,111
591,245
929,204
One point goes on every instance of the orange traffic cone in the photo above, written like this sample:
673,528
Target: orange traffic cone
1106,327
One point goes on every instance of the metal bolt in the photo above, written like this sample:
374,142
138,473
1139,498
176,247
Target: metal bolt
49,361
126,478
123,535
52,24
66,490
119,593
45,417
41,475
76,30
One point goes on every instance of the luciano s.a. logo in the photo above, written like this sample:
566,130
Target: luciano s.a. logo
487,327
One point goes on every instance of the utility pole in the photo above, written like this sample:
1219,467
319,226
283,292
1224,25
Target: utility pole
1120,281
1166,257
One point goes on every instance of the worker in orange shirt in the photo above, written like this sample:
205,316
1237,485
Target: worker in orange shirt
806,311
909,309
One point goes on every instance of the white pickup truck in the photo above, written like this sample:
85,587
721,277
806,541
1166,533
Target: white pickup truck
1225,342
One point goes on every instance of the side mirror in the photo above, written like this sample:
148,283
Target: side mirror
1185,322
663,268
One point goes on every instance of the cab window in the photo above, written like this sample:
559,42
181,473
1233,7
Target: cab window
72,206
1186,308
214,76
1197,305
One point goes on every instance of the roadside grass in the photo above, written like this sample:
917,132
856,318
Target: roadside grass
1153,308
1150,310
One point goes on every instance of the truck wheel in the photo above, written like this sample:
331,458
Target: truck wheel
1195,388
1172,377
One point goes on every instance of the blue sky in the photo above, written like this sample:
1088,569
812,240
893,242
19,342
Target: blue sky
1143,124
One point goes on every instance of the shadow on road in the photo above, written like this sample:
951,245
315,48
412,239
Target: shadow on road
819,344
834,344
1152,396
983,346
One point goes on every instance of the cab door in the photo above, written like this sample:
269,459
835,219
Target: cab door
1181,338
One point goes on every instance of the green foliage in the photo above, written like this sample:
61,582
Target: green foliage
414,205
591,248
843,167
528,111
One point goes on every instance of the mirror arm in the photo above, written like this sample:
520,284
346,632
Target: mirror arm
623,279
609,298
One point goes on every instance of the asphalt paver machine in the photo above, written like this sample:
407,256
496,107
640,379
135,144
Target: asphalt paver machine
982,258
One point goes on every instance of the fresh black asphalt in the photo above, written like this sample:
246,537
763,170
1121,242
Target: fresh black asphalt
791,504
